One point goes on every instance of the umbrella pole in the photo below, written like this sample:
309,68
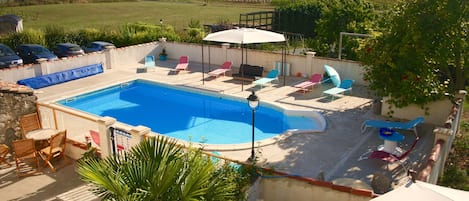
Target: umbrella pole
203,76
246,53
284,57
242,69
209,59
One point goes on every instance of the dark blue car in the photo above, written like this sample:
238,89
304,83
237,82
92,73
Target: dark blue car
68,50
98,46
8,58
32,52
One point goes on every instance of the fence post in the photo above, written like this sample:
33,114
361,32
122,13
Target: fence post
109,58
138,134
461,96
104,135
44,66
441,134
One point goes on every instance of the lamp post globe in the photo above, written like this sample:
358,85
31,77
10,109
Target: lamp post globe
253,102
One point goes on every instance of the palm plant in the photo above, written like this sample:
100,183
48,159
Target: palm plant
158,169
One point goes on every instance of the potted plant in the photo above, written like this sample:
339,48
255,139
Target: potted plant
163,55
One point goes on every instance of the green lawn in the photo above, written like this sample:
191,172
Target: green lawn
98,15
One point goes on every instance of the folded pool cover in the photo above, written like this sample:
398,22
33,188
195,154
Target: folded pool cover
62,76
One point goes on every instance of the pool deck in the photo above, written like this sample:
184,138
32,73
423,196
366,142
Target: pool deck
332,154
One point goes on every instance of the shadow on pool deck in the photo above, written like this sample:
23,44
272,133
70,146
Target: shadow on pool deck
65,184
333,153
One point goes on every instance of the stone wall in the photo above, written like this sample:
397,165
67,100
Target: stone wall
15,101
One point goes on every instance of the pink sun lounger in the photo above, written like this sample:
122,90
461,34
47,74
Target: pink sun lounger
308,85
225,67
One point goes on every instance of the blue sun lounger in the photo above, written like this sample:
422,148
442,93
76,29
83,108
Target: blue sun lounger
271,76
150,61
344,86
409,125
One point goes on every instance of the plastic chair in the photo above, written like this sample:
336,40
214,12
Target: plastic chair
183,63
409,125
225,67
306,85
271,76
345,85
150,61
390,157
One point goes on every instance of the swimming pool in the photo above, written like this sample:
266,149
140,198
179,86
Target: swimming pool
188,114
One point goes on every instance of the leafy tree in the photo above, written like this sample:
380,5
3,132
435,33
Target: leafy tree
158,169
421,53
321,22
352,16
304,14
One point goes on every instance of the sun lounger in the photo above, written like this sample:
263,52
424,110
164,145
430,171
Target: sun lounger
391,157
345,85
409,125
225,67
150,61
307,85
183,63
271,76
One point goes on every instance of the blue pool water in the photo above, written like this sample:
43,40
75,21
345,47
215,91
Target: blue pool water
186,114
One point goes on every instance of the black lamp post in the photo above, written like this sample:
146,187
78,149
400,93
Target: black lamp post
253,102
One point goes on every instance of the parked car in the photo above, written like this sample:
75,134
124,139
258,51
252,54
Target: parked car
98,46
30,53
68,49
8,58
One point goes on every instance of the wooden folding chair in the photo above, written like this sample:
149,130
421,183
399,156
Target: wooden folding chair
4,151
29,122
56,149
25,150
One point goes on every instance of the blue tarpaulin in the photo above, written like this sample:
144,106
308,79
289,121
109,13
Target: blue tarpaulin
62,76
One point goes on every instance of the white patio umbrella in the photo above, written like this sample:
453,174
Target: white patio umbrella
422,191
245,36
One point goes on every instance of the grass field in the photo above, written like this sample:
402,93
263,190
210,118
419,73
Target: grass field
102,15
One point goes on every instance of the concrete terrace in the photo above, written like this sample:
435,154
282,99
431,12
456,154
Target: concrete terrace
331,154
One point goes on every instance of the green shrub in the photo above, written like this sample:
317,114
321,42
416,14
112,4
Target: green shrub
456,173
304,14
194,24
54,35
27,36
85,36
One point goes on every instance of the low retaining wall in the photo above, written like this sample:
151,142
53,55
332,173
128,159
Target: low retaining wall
134,57
15,101
436,113
444,137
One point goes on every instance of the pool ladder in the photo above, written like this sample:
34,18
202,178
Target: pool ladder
124,85
71,99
